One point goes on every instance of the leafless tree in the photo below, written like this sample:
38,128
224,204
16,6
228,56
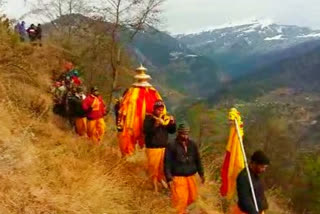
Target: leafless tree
54,9
59,12
126,17
123,20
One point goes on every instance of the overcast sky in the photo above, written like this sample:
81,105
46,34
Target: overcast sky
192,15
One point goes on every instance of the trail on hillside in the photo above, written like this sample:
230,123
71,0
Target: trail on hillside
44,166
52,171
47,169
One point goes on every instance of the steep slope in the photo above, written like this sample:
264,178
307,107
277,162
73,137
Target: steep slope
45,168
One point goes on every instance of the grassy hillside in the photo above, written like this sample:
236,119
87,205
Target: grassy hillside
45,167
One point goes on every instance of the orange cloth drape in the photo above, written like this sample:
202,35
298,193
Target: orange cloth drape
155,163
234,159
81,126
125,144
135,104
184,192
236,210
96,129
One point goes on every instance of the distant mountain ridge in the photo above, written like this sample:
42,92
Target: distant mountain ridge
175,64
199,64
260,35
298,72
235,46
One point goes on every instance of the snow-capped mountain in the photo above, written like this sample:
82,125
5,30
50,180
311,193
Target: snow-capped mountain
253,36
232,44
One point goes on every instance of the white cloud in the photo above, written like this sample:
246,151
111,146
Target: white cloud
191,15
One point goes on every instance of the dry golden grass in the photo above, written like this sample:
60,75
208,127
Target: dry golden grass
45,168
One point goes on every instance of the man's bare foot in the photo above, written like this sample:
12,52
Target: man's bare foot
164,184
155,185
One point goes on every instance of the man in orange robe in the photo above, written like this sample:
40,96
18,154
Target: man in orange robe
95,109
182,162
156,130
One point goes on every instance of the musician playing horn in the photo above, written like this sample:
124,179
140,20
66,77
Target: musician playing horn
157,126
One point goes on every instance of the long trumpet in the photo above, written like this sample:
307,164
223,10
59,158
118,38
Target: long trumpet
163,119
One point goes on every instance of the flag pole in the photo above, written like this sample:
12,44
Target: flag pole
246,165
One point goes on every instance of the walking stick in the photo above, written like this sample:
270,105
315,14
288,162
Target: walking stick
246,165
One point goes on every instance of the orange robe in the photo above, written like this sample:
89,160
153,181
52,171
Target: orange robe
95,125
236,210
136,103
96,129
81,125
156,163
184,192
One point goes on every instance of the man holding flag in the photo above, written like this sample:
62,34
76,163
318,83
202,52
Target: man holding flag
236,173
259,163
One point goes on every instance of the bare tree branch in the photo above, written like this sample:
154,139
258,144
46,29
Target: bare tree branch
129,17
122,20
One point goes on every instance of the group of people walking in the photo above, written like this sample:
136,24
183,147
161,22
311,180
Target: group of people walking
175,165
33,33
84,111
172,164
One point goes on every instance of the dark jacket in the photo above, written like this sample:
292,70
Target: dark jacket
180,163
75,107
39,32
245,202
32,32
156,137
